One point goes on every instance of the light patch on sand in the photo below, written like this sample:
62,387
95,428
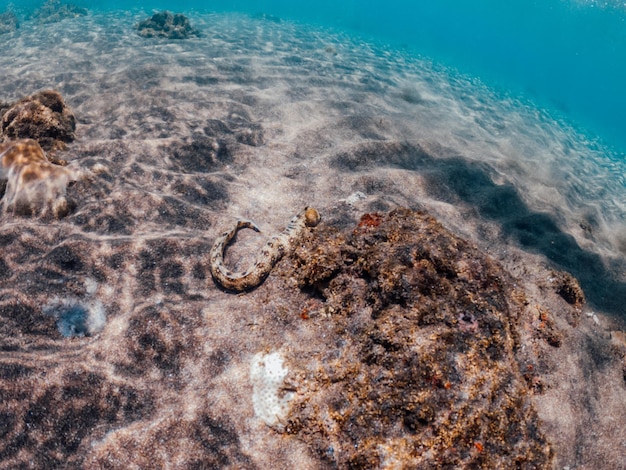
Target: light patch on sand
267,374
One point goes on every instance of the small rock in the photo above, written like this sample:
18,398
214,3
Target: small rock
8,22
567,287
166,25
53,11
43,117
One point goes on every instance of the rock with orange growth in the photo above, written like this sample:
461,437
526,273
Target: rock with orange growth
32,183
416,367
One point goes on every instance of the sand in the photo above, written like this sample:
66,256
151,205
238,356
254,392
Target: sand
258,118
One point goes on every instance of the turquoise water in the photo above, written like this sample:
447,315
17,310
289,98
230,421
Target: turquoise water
567,56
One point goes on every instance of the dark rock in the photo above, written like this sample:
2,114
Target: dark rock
252,137
53,11
43,117
167,25
567,287
8,23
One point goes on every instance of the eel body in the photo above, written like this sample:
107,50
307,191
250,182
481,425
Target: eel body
273,250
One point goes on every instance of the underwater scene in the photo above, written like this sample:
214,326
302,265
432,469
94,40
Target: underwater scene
348,235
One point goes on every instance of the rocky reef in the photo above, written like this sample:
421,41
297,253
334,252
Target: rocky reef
53,11
43,117
419,368
166,25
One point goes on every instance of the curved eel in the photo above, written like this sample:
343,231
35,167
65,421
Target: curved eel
275,248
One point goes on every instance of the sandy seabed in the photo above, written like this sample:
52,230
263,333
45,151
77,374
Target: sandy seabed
257,118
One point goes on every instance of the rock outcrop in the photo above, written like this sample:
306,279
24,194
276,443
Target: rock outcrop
53,11
43,117
419,368
8,22
166,25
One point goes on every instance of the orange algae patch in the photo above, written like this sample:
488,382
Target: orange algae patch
370,220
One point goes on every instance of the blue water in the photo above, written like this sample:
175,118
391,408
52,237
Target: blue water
568,56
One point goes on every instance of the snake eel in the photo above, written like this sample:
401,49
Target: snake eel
273,250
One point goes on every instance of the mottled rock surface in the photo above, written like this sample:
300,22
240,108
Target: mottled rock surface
419,368
43,117
31,183
166,25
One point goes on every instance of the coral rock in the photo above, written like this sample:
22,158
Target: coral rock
420,369
166,25
53,11
567,287
42,116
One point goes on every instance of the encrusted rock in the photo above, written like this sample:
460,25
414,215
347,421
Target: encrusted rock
53,11
167,25
567,287
43,117
419,369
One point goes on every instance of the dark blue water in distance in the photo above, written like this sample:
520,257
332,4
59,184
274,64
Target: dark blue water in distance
566,55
